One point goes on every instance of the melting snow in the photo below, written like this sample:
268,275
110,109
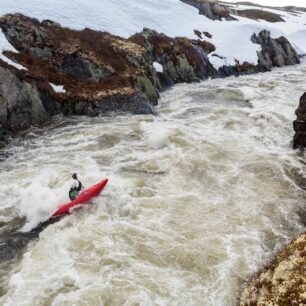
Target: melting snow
5,45
158,67
58,88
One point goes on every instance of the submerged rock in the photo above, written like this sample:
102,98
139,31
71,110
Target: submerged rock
282,282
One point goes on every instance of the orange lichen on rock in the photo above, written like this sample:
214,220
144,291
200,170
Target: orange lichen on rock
282,282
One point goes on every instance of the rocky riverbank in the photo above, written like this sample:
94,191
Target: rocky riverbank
90,72
282,282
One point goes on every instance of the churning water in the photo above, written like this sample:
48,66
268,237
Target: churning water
199,196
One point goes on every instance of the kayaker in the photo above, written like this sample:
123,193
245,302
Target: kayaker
75,188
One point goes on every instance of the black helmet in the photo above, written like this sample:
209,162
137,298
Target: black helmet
74,176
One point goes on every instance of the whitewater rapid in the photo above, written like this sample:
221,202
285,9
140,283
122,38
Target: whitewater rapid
198,198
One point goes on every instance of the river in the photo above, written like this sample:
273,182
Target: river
198,198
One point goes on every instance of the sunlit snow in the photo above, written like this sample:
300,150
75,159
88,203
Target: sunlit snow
172,17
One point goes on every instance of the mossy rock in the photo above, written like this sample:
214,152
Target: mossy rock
148,88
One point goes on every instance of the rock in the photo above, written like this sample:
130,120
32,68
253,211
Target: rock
211,10
149,89
81,68
275,52
91,65
258,15
207,34
185,70
299,125
183,60
20,104
282,282
136,104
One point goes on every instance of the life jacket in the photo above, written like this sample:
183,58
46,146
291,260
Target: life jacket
75,190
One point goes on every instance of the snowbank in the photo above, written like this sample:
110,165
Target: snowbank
172,17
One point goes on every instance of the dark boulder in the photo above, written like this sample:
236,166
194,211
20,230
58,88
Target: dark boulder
275,52
299,125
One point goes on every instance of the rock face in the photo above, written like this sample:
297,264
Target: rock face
182,59
282,282
20,104
299,125
100,73
275,52
216,11
92,66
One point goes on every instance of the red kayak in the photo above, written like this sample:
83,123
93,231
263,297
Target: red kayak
83,198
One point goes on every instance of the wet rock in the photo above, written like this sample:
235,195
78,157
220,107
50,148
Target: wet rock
299,125
90,65
282,282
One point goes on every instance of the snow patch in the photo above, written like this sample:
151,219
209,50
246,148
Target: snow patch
6,46
10,62
158,67
58,88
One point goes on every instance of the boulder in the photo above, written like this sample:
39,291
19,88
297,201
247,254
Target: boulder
275,52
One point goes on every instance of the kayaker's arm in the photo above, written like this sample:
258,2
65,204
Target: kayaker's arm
80,186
